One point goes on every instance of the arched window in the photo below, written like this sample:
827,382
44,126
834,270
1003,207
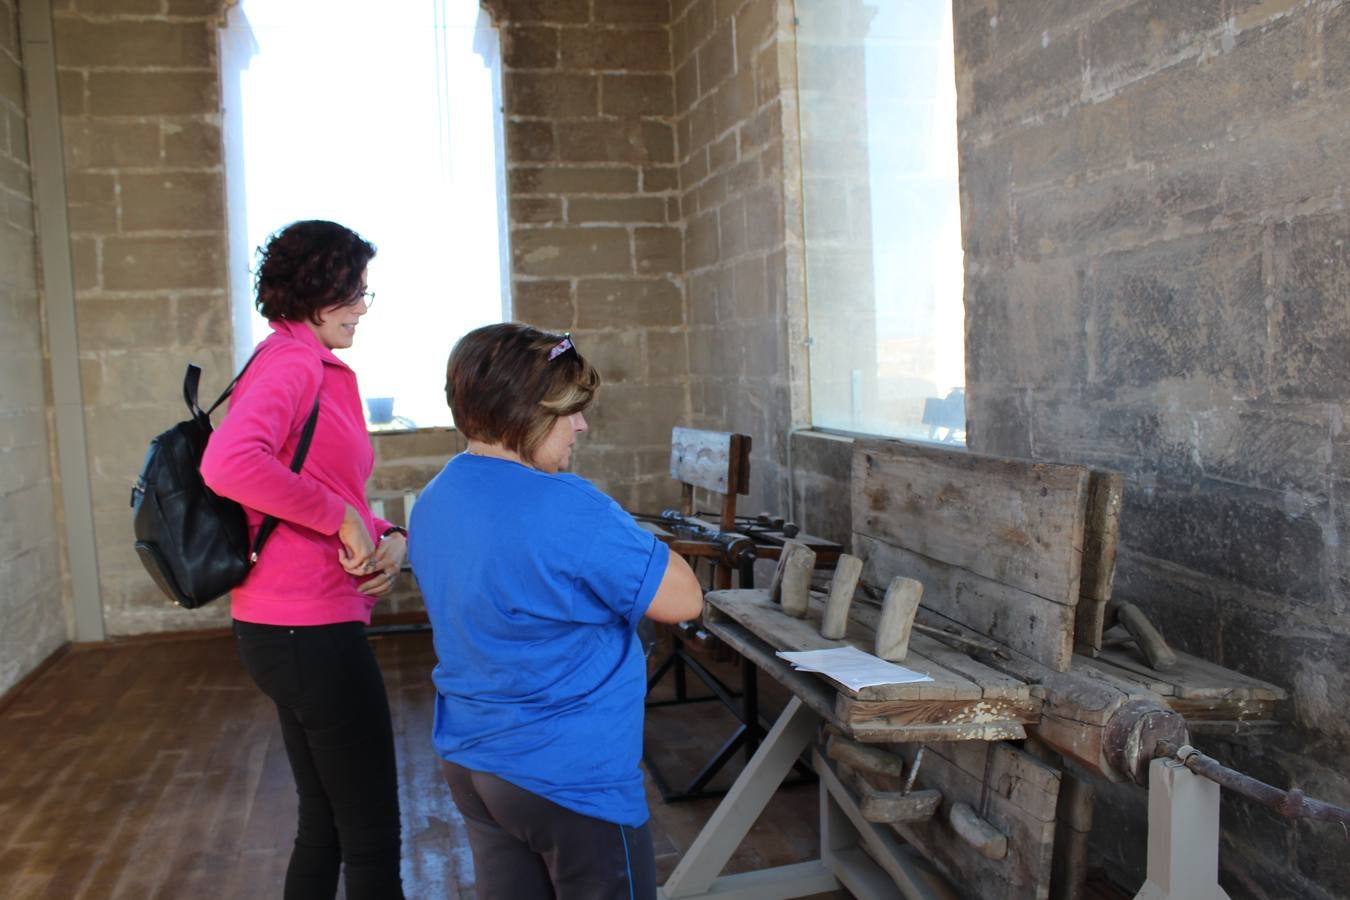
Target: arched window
384,117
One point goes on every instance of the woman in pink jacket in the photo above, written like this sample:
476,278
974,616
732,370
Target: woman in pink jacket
300,616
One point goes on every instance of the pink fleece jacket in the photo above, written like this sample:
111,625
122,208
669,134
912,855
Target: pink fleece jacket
297,579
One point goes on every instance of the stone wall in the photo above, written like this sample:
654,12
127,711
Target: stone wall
596,244
735,113
141,121
33,621
404,462
1157,266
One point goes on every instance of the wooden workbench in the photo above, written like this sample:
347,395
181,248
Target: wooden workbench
966,699
1014,552
959,715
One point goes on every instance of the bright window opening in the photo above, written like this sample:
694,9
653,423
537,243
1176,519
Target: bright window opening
883,218
383,117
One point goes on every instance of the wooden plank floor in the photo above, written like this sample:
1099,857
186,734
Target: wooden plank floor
155,770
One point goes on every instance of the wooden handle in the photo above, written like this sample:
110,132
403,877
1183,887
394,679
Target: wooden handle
1150,640
892,806
846,573
776,583
992,843
897,618
795,590
861,756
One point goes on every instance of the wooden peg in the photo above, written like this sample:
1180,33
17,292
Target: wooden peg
992,843
845,582
1152,644
861,756
897,618
776,583
796,586
892,806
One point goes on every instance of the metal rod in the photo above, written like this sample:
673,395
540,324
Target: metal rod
1291,804
914,770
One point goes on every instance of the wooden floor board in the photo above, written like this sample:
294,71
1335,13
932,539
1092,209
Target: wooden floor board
156,769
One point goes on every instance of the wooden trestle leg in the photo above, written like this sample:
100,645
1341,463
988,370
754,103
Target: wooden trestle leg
842,863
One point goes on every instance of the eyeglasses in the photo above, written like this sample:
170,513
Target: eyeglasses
368,297
562,347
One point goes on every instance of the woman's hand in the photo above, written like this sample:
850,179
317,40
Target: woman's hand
357,551
389,556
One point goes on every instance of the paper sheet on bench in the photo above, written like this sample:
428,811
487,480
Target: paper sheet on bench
851,667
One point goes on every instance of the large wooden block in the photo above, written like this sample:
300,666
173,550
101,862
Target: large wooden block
996,542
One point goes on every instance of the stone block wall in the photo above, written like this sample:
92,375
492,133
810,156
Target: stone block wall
1157,269
404,462
735,115
595,228
33,619
140,113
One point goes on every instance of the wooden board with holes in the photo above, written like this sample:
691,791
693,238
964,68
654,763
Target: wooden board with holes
955,702
997,542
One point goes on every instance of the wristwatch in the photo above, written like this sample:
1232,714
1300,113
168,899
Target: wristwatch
394,529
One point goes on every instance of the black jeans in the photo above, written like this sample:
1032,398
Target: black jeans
526,847
335,722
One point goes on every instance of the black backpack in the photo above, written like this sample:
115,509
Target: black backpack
193,542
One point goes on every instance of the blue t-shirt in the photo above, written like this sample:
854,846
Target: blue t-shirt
535,584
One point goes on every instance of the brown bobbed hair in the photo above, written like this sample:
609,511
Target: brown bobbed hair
503,388
308,267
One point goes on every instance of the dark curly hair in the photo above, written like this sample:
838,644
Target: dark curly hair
308,267
507,384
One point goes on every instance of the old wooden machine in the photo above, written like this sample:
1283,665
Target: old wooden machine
993,578
718,463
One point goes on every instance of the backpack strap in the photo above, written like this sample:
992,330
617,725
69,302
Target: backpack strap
269,523
192,379
229,388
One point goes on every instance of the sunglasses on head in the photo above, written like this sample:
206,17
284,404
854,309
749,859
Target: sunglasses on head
562,347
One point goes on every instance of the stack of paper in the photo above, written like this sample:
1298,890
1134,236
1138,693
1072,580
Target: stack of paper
851,667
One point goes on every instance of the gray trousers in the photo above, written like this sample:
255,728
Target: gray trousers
526,847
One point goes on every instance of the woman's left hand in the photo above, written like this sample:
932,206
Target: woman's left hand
388,561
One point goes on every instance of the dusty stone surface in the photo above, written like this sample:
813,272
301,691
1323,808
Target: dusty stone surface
742,262
1156,274
146,184
596,233
34,590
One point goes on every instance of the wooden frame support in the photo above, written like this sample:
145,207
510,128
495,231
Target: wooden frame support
697,874
844,832
1183,835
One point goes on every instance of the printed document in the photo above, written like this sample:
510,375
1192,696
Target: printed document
851,667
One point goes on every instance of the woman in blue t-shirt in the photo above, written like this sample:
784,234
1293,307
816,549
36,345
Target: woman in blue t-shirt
535,583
